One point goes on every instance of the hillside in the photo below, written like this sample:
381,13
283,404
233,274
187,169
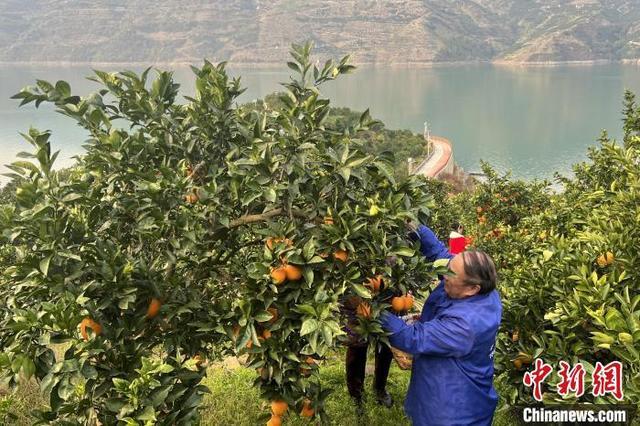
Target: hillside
258,31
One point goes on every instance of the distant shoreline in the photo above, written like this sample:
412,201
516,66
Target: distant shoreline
271,65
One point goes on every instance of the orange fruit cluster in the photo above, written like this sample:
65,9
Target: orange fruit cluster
402,303
605,259
285,272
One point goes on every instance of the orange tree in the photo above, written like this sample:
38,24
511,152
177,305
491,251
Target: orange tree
194,230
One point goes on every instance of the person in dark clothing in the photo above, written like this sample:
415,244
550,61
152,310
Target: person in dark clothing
356,360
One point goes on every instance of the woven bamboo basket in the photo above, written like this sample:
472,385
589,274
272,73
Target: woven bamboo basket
404,359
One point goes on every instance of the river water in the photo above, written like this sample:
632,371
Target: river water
533,121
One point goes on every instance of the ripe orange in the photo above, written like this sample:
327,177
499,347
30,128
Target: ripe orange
363,310
191,198
274,421
307,411
602,261
408,302
154,308
266,334
341,255
310,360
278,275
279,407
398,303
249,344
328,220
88,322
293,273
610,258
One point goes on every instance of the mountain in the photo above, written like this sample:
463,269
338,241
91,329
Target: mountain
373,31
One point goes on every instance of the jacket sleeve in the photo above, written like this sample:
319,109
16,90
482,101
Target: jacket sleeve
430,246
443,336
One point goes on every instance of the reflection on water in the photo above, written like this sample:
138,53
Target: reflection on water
532,120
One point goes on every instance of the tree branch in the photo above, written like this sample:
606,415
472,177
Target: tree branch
252,218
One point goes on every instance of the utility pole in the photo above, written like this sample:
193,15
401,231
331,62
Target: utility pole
427,137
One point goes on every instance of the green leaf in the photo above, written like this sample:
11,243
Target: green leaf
65,389
403,251
71,197
44,264
159,395
345,172
602,338
361,291
263,316
327,334
165,368
308,326
148,414
309,249
120,384
305,309
308,275
386,170
114,404
441,263
295,67
270,195
28,368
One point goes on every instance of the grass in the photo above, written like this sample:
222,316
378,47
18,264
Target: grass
235,401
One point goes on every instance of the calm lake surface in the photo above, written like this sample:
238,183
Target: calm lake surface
532,120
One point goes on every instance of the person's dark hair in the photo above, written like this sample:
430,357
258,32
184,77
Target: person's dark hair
480,270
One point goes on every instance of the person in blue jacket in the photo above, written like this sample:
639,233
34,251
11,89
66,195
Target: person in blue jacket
453,342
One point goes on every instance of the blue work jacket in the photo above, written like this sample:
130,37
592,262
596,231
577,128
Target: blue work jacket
452,345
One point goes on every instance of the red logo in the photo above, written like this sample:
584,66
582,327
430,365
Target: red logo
536,377
608,379
571,380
